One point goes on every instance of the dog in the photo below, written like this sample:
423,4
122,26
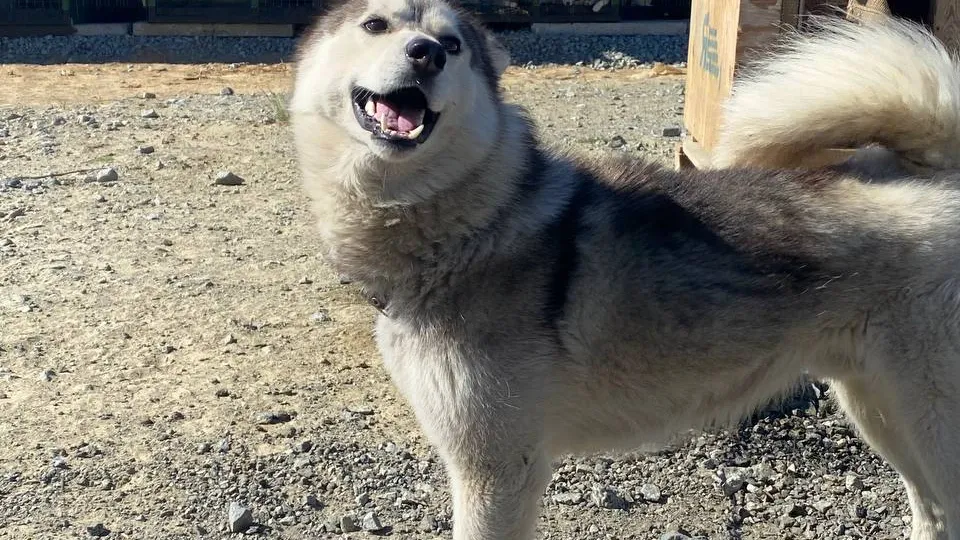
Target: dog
534,304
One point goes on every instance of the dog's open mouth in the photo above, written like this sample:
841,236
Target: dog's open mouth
400,117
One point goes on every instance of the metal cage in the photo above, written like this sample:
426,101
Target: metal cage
577,11
287,11
34,12
232,11
201,11
655,9
107,11
501,11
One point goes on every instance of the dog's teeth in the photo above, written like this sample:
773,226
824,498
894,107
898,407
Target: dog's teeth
415,132
370,108
383,124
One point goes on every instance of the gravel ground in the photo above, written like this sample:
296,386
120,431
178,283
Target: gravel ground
176,361
527,48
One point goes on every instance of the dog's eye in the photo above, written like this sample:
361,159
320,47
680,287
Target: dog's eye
375,25
450,44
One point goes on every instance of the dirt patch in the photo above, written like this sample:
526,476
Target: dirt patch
68,84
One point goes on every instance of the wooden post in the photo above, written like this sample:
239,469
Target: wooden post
946,23
867,9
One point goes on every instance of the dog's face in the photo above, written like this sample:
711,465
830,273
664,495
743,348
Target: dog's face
401,78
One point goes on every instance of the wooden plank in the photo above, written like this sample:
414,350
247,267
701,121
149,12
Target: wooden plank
862,10
692,154
711,59
946,23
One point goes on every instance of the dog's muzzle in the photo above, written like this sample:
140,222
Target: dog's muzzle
400,117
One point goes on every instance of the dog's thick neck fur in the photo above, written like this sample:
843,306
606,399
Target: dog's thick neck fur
398,229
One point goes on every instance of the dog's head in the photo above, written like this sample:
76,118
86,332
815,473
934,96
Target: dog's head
401,79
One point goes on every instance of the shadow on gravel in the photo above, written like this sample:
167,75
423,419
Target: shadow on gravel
527,49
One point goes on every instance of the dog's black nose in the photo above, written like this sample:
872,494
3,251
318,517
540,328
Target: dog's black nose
427,56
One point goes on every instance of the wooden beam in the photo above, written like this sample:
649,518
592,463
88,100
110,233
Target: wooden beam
861,10
946,23
692,153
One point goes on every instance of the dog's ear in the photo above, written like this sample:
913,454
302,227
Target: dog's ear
499,55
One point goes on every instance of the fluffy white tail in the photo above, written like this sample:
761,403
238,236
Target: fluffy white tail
846,84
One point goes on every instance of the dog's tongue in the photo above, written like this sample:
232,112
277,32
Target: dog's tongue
398,119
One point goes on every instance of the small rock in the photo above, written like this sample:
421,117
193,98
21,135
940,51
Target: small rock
107,175
795,510
853,483
227,178
348,524
362,499
319,317
672,131
100,199
764,472
222,392
47,375
148,95
223,446
570,498
226,91
607,498
98,530
371,522
59,462
149,113
733,483
229,339
674,535
616,142
59,121
239,518
272,417
145,150
312,501
822,506
305,281
204,448
363,409
160,165
650,493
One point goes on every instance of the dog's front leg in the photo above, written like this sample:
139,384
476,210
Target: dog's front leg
497,491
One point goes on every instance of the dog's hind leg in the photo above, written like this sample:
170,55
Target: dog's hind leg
863,401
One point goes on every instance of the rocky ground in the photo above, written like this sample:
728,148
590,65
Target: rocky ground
176,361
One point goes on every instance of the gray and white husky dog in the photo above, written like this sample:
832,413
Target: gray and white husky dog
535,305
